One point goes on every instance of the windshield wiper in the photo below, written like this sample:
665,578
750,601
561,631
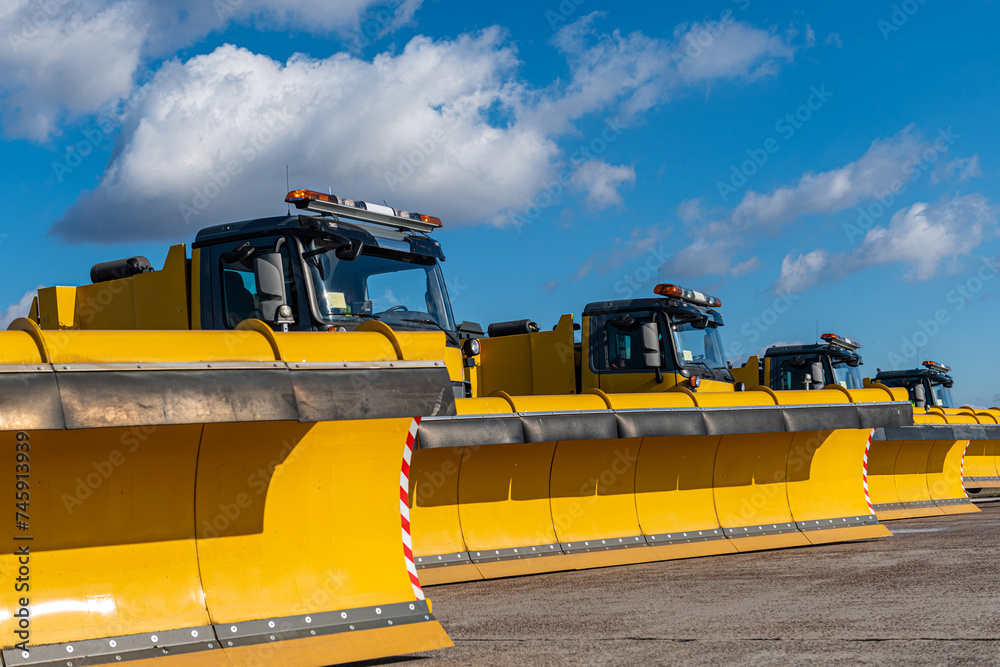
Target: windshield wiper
714,372
450,334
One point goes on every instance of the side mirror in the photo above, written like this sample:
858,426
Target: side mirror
270,273
919,397
816,371
651,345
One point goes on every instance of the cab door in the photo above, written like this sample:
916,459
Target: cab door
232,283
616,360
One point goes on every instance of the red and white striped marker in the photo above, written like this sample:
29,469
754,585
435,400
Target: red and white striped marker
864,473
404,508
961,467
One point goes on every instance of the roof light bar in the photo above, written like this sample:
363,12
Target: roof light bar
689,295
319,202
935,366
841,341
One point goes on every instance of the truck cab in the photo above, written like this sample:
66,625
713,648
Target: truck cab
629,346
643,345
833,361
351,264
929,386
355,262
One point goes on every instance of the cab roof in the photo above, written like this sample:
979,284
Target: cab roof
833,350
678,306
307,224
936,377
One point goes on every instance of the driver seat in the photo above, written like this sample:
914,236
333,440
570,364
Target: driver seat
240,302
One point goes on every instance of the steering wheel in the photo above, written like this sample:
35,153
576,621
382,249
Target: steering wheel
387,310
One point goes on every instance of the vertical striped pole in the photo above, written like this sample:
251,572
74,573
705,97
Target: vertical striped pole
864,473
961,467
404,508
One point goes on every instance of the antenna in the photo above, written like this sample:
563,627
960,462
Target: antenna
288,188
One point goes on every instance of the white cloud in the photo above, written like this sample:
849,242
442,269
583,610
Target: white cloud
17,309
600,181
959,169
733,50
211,137
801,273
895,160
70,58
444,127
923,237
833,39
642,71
713,257
72,61
639,248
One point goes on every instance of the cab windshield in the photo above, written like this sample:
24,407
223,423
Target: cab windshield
400,289
942,396
848,377
698,347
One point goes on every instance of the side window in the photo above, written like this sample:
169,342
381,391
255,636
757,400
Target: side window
624,346
621,347
239,294
240,299
793,375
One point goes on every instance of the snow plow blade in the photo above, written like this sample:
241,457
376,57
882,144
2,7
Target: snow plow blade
519,485
193,499
982,459
917,471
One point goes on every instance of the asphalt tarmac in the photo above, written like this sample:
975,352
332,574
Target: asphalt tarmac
929,595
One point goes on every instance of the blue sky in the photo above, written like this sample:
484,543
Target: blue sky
819,169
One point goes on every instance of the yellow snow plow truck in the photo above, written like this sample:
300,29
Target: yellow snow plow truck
521,462
632,445
929,388
914,470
